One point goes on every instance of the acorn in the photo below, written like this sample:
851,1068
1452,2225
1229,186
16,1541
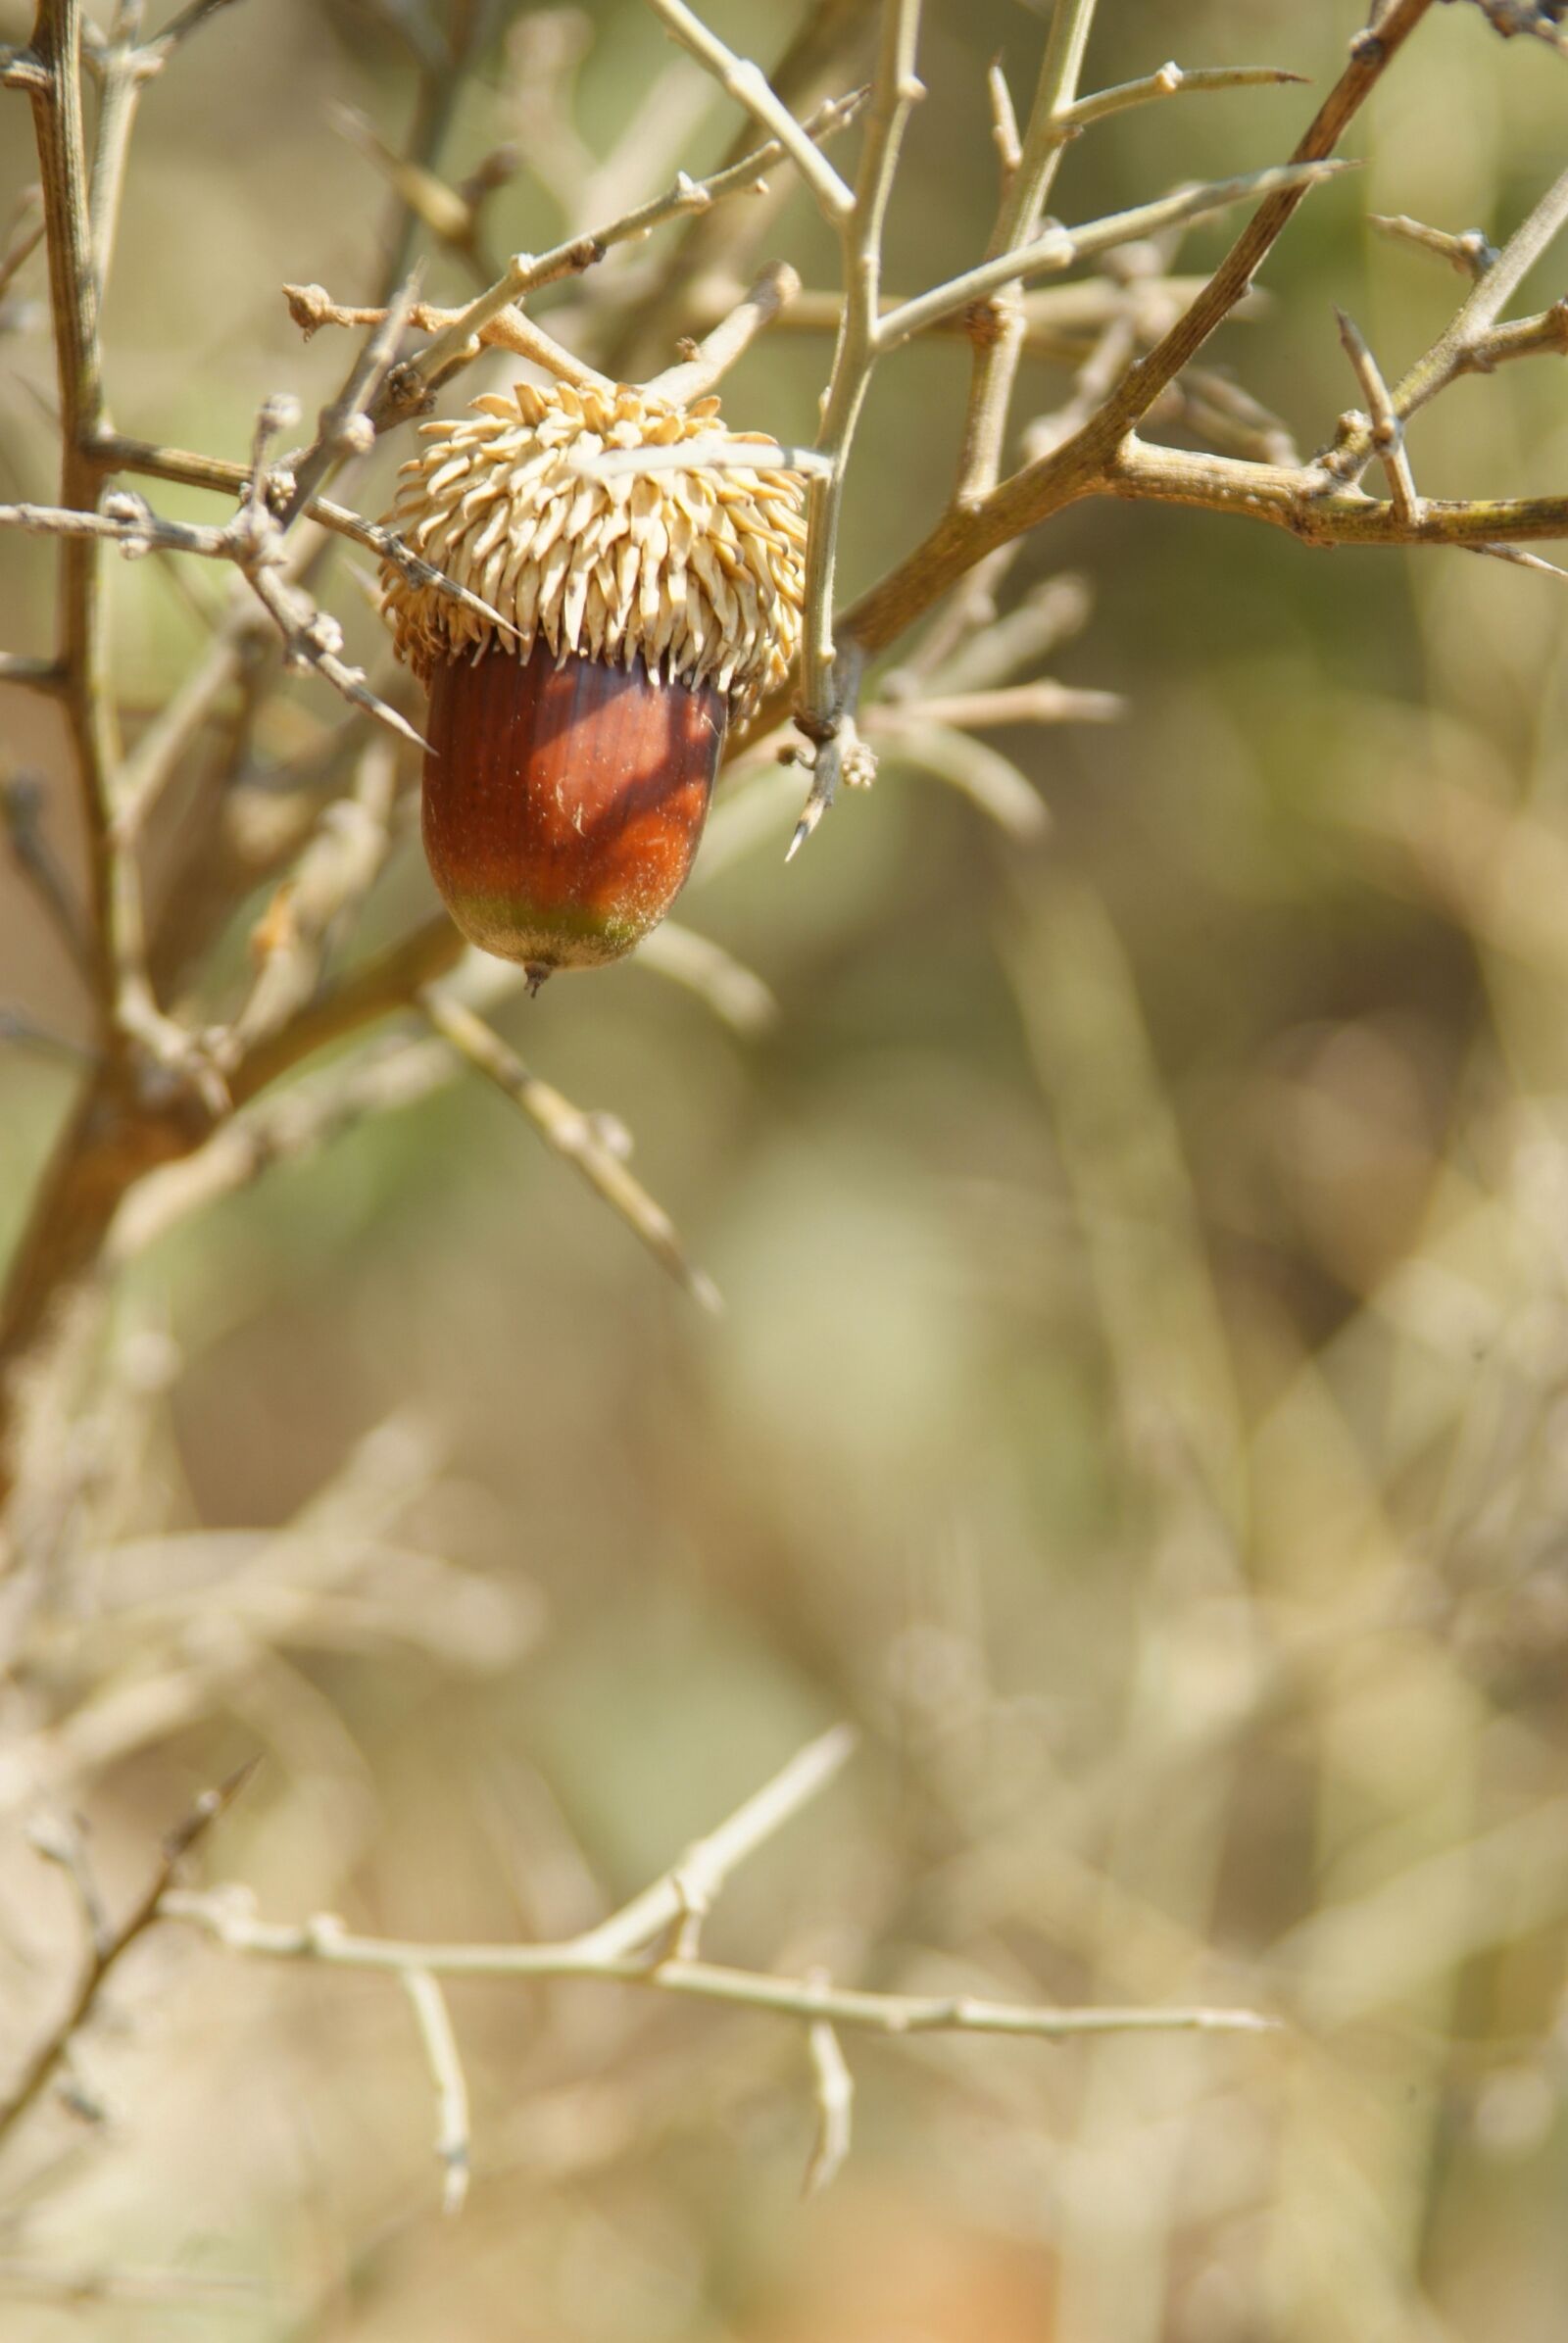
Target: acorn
572,756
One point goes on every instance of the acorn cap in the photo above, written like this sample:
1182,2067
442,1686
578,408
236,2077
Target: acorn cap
698,573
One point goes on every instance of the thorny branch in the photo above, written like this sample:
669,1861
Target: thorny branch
653,1942
109,1943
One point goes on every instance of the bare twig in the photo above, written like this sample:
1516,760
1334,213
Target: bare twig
108,1948
731,338
724,452
76,2284
344,428
335,872
1469,342
833,2089
829,682
30,674
54,86
573,1135
1040,702
1387,432
21,809
1299,500
1028,169
1469,252
1060,248
1169,82
324,1939
989,780
496,317
226,478
25,233
651,1943
732,990
749,86
692,1883
965,536
440,2046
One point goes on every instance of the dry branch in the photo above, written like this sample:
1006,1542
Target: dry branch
652,1943
110,1943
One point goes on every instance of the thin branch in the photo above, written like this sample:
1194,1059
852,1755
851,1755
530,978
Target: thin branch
1004,122
1305,502
828,682
72,2284
988,779
573,1135
1388,433
335,872
60,1840
55,92
324,1939
667,1914
26,232
180,26
1539,16
21,809
833,2089
1544,336
691,1884
1372,52
1027,175
723,984
1061,248
122,521
148,768
122,69
495,315
824,48
1042,702
1470,342
1169,82
749,86
977,649
712,359
30,674
1470,252
385,1075
963,537
344,427
451,218
1056,318
725,452
226,478
389,982
108,1948
439,2043
313,639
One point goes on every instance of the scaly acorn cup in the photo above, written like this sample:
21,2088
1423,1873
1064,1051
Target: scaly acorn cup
572,761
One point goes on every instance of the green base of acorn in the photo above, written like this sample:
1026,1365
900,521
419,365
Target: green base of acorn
513,928
564,803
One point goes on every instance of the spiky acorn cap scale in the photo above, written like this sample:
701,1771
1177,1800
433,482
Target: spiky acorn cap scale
696,572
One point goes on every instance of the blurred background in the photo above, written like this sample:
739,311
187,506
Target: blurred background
1141,1405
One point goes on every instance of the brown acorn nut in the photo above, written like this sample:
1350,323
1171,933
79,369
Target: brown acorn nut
571,761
